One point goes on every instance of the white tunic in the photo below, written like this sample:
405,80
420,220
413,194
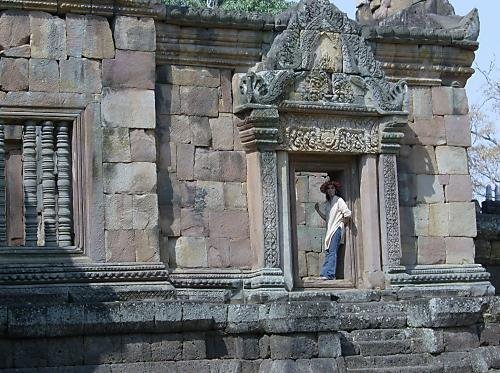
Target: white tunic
336,210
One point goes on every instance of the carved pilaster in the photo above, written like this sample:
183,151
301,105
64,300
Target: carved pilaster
64,220
270,208
3,227
389,211
29,181
48,183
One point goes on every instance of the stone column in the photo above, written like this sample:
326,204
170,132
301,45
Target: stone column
3,227
30,187
389,211
371,270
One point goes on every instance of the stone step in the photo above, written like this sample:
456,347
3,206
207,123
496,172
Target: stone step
383,348
372,320
392,361
412,369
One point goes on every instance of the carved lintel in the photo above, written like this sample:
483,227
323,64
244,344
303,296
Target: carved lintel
389,211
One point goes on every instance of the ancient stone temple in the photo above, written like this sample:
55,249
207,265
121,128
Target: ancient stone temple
160,169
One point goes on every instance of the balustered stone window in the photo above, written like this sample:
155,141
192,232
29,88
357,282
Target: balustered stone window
36,183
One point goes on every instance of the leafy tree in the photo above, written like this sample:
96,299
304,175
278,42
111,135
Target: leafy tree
261,6
484,155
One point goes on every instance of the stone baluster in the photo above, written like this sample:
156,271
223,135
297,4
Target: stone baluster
488,193
3,227
29,181
48,183
63,186
497,192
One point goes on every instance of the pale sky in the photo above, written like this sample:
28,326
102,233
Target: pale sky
489,47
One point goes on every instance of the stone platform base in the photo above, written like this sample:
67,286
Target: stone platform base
446,334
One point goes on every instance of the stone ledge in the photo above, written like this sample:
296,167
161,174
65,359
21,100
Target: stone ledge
107,8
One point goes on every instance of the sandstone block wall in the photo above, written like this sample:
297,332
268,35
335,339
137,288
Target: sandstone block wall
201,171
51,60
437,216
311,228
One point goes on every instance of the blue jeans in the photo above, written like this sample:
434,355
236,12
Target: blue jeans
330,265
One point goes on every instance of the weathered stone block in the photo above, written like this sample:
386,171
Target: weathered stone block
233,166
235,196
312,264
459,250
97,38
313,219
118,211
116,145
422,103
166,347
201,132
179,127
229,224
142,146
431,250
44,75
136,348
129,69
452,160
445,312
222,132
207,165
194,223
21,51
462,219
190,252
300,213
439,220
409,249
461,339
201,101
14,29
449,100
75,31
407,222
459,189
298,346
188,193
147,245
138,177
193,347
118,245
457,130
49,40
315,194
80,75
407,185
168,99
138,34
430,131
218,253
130,108
209,195
423,160
302,189
65,351
191,76
14,74
429,190
329,345
145,211
185,162
226,92
302,263
241,254
170,220
421,219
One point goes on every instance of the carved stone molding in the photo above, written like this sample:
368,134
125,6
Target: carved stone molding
269,174
91,273
435,274
389,211
107,8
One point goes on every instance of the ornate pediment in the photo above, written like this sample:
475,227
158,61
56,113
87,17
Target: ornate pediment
319,59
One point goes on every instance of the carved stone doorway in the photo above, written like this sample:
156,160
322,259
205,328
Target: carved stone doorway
307,173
